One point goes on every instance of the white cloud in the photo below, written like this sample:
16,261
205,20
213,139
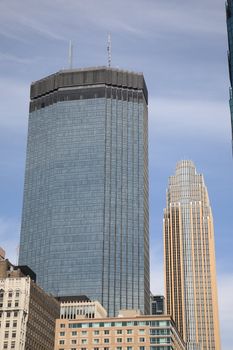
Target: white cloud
157,272
225,289
9,237
176,116
14,106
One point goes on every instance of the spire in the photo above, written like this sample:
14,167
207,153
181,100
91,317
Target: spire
109,50
70,59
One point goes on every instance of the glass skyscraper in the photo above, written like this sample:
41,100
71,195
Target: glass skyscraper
190,276
229,15
85,209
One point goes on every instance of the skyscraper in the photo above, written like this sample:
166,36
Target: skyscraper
229,14
85,208
190,276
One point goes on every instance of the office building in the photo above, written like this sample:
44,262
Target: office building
128,331
27,313
85,209
157,304
229,15
190,276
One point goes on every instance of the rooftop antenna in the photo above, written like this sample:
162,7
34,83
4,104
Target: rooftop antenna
70,54
109,50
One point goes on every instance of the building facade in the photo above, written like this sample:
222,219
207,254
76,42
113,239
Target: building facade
73,310
157,304
229,16
132,332
190,276
27,313
85,210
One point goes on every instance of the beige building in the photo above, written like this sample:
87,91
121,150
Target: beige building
81,309
190,277
128,331
27,313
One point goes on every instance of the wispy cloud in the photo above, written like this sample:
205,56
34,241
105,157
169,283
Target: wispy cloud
17,59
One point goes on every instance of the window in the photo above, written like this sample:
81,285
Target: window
129,340
15,313
7,324
8,314
129,348
74,333
6,335
12,345
62,341
84,332
9,304
106,331
13,334
129,331
14,324
142,340
141,347
96,341
119,331
106,340
97,332
73,341
17,294
10,294
96,348
62,334
84,341
62,325
119,348
119,340
141,331
16,303
5,346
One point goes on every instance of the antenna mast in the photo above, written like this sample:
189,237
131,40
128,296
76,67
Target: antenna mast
109,50
70,55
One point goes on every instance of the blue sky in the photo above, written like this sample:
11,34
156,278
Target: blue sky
181,47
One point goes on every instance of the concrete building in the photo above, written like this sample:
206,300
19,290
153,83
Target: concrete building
157,304
85,209
27,313
130,331
189,252
81,309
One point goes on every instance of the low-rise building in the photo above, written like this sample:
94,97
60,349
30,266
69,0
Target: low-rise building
75,309
157,304
27,313
128,331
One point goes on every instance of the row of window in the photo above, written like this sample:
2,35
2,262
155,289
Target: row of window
9,314
10,294
118,324
106,340
105,332
10,303
107,348
7,324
